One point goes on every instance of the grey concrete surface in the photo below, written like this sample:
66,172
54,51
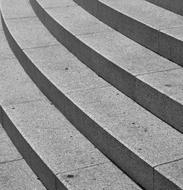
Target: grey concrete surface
112,45
84,24
165,94
100,52
101,176
18,176
133,126
146,19
174,172
5,50
56,3
146,13
18,10
127,54
8,152
38,37
140,163
15,85
14,172
175,6
57,63
168,82
59,145
53,138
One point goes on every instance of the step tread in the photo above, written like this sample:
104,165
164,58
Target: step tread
158,29
64,150
112,45
124,56
21,9
15,173
174,171
60,146
147,13
96,100
4,48
174,6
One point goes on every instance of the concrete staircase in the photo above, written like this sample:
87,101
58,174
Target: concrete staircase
104,107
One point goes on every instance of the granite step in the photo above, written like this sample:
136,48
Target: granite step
58,154
147,149
151,80
15,174
175,6
156,28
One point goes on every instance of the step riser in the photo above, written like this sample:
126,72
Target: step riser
122,23
174,6
150,38
150,98
118,153
33,160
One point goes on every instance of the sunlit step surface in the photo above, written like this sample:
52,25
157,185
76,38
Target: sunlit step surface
156,28
113,122
149,79
57,153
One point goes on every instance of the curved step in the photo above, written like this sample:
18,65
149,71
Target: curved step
175,6
138,142
15,173
153,27
51,146
149,79
59,155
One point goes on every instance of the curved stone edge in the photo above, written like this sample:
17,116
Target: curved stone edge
44,173
175,6
80,120
154,39
124,81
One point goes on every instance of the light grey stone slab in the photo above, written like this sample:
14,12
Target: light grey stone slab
12,9
168,82
29,33
146,13
18,176
150,23
64,69
175,32
165,95
7,150
58,144
16,86
53,138
56,3
5,51
174,6
102,176
146,135
173,172
127,54
170,44
76,20
110,44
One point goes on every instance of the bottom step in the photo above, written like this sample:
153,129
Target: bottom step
15,174
60,156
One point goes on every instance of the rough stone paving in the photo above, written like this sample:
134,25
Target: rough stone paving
91,95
